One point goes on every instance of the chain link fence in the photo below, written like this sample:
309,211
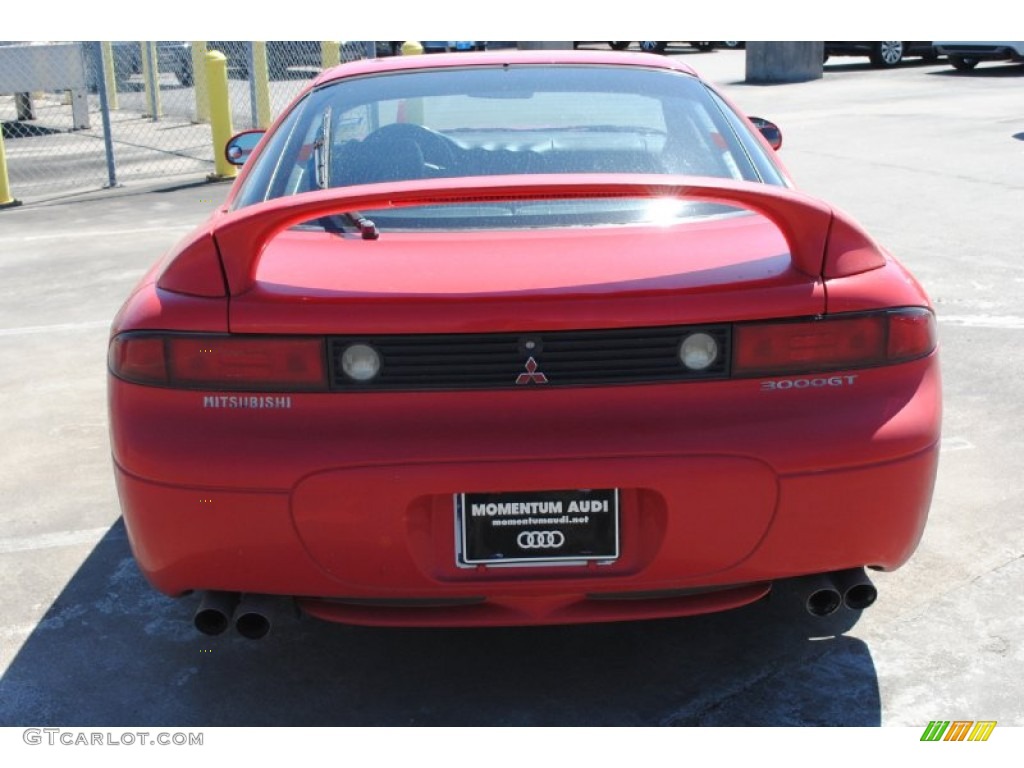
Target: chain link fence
82,116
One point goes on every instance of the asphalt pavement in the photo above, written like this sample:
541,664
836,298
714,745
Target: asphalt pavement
929,160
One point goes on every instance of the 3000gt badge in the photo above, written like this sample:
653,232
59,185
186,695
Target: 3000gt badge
820,382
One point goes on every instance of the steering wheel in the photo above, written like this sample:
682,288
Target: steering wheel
438,150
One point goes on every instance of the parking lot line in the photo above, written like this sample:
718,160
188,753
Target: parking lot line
1012,322
76,235
52,540
55,328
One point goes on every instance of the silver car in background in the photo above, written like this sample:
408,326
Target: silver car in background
966,56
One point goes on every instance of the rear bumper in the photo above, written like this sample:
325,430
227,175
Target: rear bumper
983,51
390,558
347,501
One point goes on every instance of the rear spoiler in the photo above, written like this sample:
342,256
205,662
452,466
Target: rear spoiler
822,242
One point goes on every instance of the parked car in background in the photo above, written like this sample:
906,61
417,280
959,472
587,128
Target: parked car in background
965,56
126,58
441,46
659,46
176,58
882,54
282,56
172,56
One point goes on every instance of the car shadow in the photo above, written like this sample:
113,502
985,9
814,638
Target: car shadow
110,651
22,129
985,70
837,64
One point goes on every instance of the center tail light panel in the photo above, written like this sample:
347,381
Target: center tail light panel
222,362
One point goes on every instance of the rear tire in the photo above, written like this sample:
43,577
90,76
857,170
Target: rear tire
887,54
963,63
618,45
653,46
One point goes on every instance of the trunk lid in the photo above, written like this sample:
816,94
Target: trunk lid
720,269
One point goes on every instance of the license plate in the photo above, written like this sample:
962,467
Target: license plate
537,527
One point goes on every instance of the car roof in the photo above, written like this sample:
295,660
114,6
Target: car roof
449,60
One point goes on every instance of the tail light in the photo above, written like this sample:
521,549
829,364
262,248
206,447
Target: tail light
832,343
235,363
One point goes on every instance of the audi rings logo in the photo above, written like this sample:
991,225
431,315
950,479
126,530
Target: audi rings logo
540,539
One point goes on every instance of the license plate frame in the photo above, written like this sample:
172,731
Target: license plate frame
530,528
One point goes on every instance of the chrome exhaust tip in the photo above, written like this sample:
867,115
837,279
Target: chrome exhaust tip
823,599
254,615
857,590
824,602
213,616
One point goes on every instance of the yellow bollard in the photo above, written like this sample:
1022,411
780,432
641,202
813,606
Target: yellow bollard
330,54
411,110
151,79
261,79
108,74
220,114
199,81
6,201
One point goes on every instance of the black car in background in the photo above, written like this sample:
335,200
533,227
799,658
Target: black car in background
282,57
126,61
882,54
660,46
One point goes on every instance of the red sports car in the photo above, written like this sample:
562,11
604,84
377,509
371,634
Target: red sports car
520,338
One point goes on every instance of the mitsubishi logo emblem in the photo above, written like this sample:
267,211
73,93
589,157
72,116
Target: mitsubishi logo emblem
531,376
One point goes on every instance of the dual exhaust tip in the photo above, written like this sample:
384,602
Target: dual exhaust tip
829,591
252,615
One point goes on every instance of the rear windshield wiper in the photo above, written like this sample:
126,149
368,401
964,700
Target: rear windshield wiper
322,163
342,223
366,227
322,152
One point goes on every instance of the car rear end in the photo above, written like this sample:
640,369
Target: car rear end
481,425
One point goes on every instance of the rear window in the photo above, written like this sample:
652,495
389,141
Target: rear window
500,120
